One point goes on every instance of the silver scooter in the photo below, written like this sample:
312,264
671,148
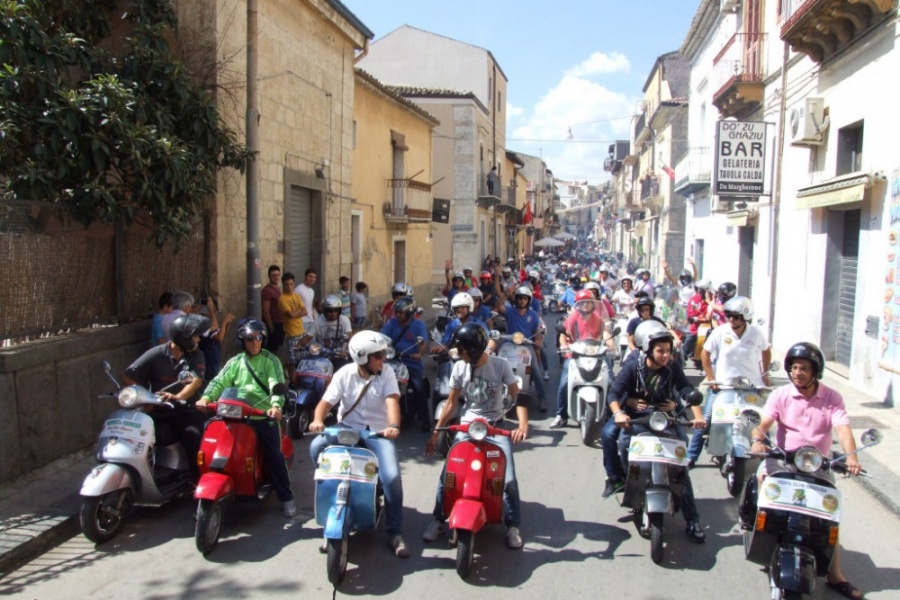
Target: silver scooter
133,469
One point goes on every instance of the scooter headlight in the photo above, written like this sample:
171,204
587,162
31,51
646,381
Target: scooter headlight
478,430
750,418
518,337
229,411
808,459
315,348
659,421
348,437
128,397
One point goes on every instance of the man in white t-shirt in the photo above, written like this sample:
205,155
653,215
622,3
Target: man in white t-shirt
306,291
739,349
368,397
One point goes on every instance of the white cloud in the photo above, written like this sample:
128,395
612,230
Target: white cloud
514,111
600,63
596,115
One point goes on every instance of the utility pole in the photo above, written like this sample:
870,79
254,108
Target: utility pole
254,266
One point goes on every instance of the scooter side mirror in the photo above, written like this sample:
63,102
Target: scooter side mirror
279,389
871,437
494,334
693,398
774,367
561,326
106,367
616,331
186,376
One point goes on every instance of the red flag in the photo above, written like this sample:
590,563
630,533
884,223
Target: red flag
527,217
669,171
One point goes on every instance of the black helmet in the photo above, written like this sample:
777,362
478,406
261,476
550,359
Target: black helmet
471,337
810,352
685,277
406,306
645,301
184,328
251,326
727,291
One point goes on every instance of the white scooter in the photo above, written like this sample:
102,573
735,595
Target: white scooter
133,469
588,384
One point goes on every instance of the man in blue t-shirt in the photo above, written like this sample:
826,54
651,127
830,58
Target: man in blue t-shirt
521,318
408,338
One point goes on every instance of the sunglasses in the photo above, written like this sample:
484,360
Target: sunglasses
733,315
332,310
253,338
379,355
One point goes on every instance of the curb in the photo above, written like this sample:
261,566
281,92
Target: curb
879,473
55,530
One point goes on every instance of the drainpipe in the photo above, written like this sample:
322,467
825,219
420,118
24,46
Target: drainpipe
776,193
254,308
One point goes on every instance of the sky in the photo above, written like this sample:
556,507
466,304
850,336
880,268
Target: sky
571,64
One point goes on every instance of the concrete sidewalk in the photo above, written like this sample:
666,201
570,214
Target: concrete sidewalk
40,510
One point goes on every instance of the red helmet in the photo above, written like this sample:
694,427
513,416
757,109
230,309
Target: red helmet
486,275
584,295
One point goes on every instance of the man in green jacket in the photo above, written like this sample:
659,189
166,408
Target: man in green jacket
254,373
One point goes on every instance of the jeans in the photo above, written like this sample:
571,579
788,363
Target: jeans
609,441
690,343
688,506
388,470
268,433
420,404
562,393
512,516
537,378
696,445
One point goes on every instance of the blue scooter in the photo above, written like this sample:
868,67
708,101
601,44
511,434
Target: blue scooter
314,370
349,496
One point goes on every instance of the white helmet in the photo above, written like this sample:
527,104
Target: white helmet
462,299
740,305
703,284
650,331
623,275
592,285
474,292
365,343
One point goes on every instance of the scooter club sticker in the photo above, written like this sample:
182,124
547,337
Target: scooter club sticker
801,497
370,469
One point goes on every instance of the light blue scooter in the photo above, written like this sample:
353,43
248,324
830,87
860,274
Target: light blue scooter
349,496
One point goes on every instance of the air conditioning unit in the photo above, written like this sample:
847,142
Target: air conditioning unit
729,6
809,123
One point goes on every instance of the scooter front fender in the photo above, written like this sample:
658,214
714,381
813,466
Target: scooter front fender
339,516
106,478
214,486
589,394
659,501
794,569
468,515
308,398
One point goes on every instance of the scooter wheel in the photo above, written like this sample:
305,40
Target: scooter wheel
102,516
209,526
736,476
465,552
337,559
444,442
656,537
298,423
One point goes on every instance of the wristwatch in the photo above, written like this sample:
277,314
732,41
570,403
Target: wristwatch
394,426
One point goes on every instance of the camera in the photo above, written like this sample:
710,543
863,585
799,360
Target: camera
203,300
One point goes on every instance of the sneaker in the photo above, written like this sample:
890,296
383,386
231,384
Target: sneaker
695,532
399,546
514,538
289,509
692,463
434,530
559,422
542,405
613,487
323,549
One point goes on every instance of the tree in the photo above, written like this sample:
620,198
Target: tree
106,127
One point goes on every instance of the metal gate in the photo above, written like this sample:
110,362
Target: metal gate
849,259
298,232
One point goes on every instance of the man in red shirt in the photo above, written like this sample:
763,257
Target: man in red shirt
270,313
697,310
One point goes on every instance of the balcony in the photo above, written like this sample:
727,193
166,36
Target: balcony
738,75
507,200
640,128
650,190
694,172
411,202
490,191
821,28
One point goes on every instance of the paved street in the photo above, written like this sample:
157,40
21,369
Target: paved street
575,544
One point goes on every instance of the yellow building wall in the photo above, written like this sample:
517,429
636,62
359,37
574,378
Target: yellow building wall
376,115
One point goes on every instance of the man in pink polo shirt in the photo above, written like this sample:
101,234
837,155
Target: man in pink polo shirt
806,412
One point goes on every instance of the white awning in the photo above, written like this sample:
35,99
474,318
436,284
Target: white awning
845,189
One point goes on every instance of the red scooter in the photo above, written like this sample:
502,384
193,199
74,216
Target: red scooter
231,463
474,479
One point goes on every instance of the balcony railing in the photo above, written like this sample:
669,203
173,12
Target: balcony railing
411,201
694,172
738,74
649,188
821,28
639,126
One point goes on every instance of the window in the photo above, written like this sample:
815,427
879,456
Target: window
499,102
354,133
849,152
